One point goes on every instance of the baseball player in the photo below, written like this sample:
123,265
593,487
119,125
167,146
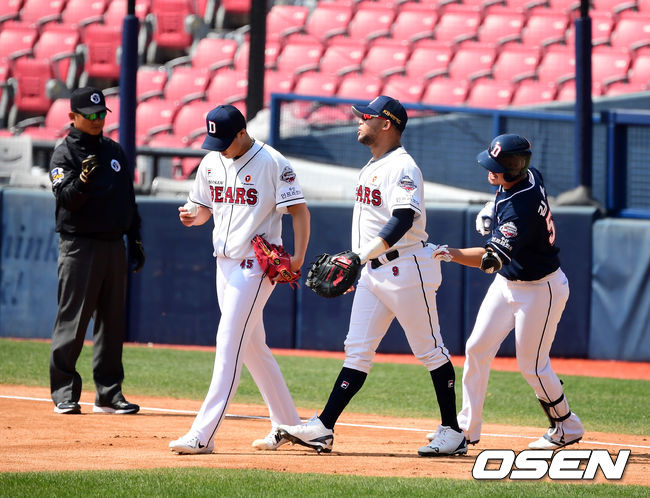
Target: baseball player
399,280
245,187
528,293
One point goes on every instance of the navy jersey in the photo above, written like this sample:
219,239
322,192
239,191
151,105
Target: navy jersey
524,232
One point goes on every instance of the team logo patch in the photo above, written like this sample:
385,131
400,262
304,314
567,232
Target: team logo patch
407,183
57,176
450,384
95,98
287,175
247,178
345,384
115,165
509,230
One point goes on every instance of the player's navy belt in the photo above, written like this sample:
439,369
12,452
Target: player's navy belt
383,259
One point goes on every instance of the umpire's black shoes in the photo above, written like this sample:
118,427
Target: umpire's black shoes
120,407
68,408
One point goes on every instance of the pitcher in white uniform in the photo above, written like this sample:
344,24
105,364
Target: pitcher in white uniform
245,187
400,280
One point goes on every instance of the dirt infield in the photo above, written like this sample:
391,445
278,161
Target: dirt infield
33,438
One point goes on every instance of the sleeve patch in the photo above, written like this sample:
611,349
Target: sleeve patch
287,176
509,230
56,175
407,183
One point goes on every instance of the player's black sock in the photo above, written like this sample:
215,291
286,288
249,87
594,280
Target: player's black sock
444,381
346,386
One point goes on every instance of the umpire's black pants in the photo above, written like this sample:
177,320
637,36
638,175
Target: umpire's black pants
92,282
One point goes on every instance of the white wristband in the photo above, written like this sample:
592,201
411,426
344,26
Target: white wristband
372,249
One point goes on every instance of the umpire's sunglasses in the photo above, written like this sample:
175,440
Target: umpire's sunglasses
366,117
95,115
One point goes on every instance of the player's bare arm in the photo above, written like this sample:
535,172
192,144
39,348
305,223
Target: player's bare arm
470,256
301,230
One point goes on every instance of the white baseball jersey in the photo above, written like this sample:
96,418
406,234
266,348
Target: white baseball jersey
247,197
391,182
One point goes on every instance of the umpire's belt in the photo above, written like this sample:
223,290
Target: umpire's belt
383,259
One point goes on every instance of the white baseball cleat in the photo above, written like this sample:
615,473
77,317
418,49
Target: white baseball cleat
190,445
564,433
446,441
272,441
312,434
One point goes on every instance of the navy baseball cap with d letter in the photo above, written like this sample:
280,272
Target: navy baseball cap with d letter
87,100
383,107
223,123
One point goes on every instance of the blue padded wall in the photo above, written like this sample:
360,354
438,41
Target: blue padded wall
30,248
620,310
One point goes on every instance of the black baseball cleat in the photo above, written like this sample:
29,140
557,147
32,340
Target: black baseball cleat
68,408
120,407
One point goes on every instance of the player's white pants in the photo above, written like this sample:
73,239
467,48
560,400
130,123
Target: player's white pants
241,339
533,309
404,288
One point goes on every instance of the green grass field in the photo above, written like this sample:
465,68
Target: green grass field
607,405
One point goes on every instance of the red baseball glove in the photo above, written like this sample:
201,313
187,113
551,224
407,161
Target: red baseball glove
275,261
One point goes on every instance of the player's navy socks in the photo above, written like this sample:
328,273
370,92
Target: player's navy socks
444,382
346,386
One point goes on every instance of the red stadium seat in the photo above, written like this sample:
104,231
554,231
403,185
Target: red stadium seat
54,125
316,83
429,56
153,116
632,31
445,92
341,55
228,86
358,86
32,82
458,23
385,55
283,20
175,26
491,94
515,61
370,21
639,72
615,6
414,21
277,82
150,82
472,60
558,63
210,53
501,25
10,9
83,12
403,88
609,63
188,124
17,39
58,43
328,19
186,84
100,48
232,14
544,27
531,92
300,52
271,52
40,12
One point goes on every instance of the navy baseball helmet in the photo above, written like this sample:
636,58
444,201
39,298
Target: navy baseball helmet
508,154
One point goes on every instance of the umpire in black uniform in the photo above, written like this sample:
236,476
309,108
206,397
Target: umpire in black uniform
95,208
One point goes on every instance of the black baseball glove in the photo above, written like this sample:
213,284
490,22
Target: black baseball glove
332,275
